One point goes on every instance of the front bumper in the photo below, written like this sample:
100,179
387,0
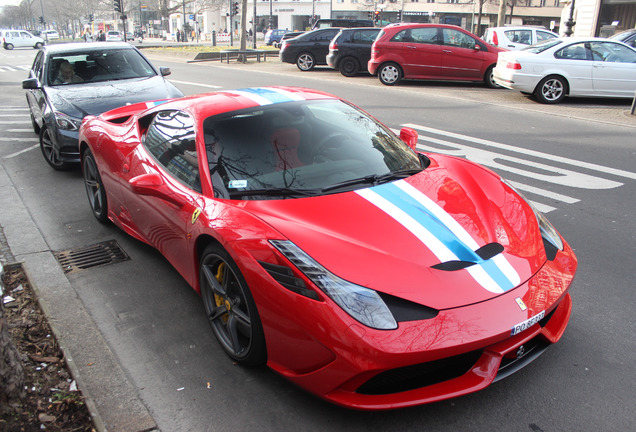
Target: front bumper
67,144
460,351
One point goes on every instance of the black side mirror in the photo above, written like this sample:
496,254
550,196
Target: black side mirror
31,84
165,71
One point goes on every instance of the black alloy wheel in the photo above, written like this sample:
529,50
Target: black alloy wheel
349,66
230,308
48,150
94,187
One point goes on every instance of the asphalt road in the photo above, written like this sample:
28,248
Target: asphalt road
575,161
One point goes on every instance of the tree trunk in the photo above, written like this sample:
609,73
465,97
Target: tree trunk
502,13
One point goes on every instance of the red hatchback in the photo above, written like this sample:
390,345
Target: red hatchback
431,52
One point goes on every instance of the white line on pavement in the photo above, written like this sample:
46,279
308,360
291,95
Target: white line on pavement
12,155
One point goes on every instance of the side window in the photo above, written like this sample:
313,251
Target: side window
541,36
402,36
37,66
458,39
426,35
25,35
519,36
611,52
170,139
572,52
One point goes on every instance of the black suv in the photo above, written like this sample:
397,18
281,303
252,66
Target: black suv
309,49
350,50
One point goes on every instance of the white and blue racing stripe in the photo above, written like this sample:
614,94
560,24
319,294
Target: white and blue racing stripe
267,96
442,234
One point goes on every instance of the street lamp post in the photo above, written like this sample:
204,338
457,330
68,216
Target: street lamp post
570,22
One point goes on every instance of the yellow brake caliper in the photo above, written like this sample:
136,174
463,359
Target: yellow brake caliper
218,300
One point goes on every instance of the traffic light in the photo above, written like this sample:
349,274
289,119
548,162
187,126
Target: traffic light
117,5
376,16
41,20
399,16
370,14
235,8
90,17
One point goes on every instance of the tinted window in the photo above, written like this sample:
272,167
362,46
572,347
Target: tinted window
364,36
170,139
305,145
427,35
326,35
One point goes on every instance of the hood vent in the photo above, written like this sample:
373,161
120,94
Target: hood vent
485,253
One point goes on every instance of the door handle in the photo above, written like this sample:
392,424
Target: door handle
447,51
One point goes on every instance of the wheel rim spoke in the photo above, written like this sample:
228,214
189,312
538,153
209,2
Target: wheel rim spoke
213,282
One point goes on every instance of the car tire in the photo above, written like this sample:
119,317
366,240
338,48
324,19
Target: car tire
551,89
390,74
48,150
95,190
349,66
8,46
230,307
305,61
36,128
489,78
38,45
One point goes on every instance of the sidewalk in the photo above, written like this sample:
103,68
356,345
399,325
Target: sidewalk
112,401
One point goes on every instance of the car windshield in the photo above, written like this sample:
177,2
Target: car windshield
302,148
96,66
542,46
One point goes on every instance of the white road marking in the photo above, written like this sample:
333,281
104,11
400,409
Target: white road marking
196,84
12,155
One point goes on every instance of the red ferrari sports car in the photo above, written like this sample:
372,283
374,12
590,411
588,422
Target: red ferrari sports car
327,247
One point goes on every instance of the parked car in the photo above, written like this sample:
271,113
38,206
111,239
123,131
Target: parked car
309,49
114,36
19,38
341,22
554,69
273,36
70,81
628,37
328,248
431,52
288,35
49,34
516,38
350,49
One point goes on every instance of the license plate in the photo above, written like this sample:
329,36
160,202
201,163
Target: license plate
527,323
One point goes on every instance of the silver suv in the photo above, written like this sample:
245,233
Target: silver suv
515,38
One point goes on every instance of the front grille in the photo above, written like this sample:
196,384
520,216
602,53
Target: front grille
420,375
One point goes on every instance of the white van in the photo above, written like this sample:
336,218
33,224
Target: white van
515,38
19,38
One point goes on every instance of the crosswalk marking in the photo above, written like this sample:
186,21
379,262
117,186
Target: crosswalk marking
14,68
540,168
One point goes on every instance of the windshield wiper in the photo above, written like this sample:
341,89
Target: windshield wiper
374,179
285,192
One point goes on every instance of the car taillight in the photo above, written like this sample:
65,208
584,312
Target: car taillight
511,65
495,39
333,46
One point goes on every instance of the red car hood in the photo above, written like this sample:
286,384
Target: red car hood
389,237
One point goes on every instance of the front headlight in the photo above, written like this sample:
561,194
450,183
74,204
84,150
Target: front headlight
66,122
363,304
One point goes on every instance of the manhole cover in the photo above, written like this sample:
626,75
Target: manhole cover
73,260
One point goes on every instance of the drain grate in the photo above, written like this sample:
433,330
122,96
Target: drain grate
108,252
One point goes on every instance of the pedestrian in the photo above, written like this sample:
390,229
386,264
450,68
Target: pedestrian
178,36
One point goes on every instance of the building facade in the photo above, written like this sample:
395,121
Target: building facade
601,17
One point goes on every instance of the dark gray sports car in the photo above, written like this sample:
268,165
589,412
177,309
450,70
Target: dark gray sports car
70,81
